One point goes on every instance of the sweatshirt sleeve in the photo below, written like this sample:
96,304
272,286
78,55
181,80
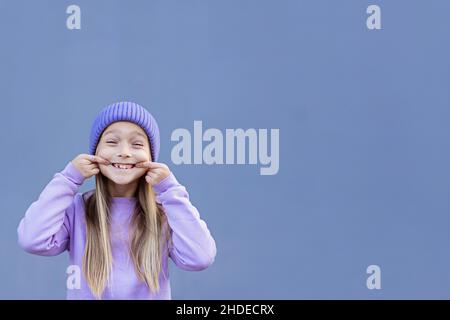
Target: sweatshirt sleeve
193,248
44,230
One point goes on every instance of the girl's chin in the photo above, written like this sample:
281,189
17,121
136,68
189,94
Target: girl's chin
121,178
122,181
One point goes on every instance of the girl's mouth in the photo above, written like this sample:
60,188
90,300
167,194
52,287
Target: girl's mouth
123,166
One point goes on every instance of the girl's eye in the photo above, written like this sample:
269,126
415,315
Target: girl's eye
139,144
110,142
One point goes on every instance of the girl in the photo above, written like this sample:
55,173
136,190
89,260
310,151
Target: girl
121,234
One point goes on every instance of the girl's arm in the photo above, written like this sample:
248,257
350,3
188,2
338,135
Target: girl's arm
193,247
45,228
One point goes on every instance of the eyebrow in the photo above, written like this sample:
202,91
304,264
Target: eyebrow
133,132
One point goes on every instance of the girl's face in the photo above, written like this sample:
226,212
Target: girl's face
123,143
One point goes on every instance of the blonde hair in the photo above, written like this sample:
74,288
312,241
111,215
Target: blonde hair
148,233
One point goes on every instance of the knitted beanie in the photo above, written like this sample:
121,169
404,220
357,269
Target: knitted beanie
126,111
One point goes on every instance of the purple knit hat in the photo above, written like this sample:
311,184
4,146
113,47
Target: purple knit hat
126,111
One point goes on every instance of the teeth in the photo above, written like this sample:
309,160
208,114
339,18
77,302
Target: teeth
123,166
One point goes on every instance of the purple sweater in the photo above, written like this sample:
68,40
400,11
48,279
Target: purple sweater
55,223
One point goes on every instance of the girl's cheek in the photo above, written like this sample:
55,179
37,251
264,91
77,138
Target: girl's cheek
141,172
142,156
104,153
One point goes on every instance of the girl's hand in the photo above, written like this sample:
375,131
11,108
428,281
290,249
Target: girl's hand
156,171
87,164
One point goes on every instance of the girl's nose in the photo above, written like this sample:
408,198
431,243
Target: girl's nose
124,155
124,152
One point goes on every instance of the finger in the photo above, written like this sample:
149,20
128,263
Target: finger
92,166
142,164
150,180
147,164
151,175
99,159
156,172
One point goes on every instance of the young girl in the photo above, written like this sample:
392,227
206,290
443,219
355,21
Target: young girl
121,234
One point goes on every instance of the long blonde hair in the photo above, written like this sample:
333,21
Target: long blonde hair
148,233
